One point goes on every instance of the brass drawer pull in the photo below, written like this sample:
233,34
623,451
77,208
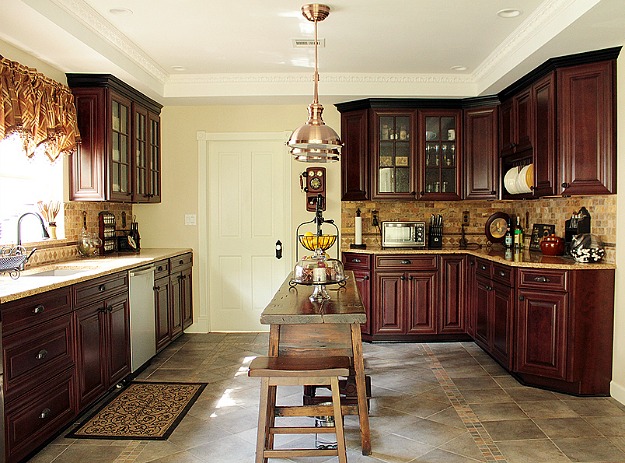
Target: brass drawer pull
45,413
406,262
356,261
41,354
39,309
483,267
541,279
502,273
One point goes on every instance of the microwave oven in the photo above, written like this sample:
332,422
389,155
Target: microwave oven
403,234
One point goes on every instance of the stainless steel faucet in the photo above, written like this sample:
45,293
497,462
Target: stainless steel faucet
44,233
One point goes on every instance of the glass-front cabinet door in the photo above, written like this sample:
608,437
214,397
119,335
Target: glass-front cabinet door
441,171
120,166
394,155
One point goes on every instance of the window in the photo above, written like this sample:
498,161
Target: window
23,182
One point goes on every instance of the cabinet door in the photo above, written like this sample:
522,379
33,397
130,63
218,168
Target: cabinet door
541,327
470,296
161,304
355,156
120,137
140,153
482,301
522,120
186,303
118,338
421,302
453,299
394,155
586,132
363,283
506,128
440,157
175,309
544,120
501,322
389,303
90,353
154,156
481,158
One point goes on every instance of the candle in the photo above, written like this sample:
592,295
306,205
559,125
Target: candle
319,275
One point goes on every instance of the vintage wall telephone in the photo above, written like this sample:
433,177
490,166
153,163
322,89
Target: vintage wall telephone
313,182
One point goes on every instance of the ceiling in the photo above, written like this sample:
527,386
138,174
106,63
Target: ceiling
202,51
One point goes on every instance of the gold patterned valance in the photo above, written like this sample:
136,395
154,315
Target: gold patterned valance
38,109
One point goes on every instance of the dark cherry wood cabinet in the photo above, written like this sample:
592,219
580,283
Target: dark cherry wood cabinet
543,100
162,299
516,124
119,157
360,264
355,165
586,128
481,156
181,302
453,289
102,319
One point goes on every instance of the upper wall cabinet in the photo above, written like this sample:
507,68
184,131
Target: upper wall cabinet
481,166
119,158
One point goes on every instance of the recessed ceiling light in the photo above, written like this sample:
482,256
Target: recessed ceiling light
178,68
120,11
458,68
509,13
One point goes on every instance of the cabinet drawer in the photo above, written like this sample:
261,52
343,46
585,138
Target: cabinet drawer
32,310
483,267
180,262
554,280
356,261
37,353
503,274
36,418
161,269
406,262
100,288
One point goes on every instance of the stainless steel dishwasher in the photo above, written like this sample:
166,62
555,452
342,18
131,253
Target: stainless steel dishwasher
142,316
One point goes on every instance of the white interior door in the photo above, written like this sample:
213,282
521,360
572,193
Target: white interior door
248,211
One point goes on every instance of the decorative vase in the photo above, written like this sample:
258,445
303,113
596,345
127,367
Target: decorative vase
552,245
52,230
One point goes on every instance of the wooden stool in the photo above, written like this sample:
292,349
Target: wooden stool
298,371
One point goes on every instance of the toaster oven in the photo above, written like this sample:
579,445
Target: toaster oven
403,234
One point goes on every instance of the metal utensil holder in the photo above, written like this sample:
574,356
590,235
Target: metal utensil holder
12,260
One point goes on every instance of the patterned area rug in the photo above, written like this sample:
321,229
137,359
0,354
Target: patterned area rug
141,411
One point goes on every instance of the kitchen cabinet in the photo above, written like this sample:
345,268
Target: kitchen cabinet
181,312
394,154
564,323
162,304
452,297
481,157
360,264
119,156
38,365
586,128
516,124
355,156
470,293
405,296
543,100
440,155
102,320
494,310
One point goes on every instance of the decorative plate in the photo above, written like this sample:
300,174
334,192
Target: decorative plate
496,227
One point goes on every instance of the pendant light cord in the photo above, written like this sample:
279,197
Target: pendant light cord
316,77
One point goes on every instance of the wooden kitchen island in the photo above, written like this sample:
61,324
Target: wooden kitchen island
301,327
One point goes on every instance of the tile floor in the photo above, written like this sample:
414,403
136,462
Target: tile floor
438,402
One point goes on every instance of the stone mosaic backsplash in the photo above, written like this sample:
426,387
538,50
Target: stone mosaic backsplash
554,211
65,249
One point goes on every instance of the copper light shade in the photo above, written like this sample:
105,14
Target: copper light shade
315,141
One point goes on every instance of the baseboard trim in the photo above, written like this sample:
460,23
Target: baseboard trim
617,391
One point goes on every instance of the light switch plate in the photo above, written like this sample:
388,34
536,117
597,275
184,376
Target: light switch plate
190,219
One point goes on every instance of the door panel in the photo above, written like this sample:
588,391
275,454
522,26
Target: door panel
422,299
389,317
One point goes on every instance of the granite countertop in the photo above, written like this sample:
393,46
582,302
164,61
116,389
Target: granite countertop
526,258
88,269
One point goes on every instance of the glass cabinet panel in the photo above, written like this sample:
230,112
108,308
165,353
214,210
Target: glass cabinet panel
120,147
395,162
441,173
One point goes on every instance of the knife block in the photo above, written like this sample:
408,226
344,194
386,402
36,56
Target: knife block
435,237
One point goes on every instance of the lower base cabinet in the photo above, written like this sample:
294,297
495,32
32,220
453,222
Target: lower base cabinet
360,264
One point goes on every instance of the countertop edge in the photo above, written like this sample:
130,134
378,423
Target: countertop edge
12,290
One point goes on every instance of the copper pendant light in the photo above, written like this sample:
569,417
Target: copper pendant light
315,141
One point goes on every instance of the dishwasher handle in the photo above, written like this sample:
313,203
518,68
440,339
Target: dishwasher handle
141,271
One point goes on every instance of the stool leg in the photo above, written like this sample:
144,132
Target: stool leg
338,420
264,408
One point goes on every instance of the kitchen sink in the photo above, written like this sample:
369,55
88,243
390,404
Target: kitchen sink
57,272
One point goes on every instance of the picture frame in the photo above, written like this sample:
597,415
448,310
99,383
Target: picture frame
539,231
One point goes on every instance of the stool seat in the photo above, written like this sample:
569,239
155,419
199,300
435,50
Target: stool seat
292,371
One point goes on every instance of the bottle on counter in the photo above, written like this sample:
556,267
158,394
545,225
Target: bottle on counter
509,238
518,235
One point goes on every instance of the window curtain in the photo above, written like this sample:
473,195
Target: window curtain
38,109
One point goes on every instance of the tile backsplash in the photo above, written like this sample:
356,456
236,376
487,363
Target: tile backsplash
554,211
65,249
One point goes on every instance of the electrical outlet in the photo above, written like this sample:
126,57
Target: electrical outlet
465,218
374,219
